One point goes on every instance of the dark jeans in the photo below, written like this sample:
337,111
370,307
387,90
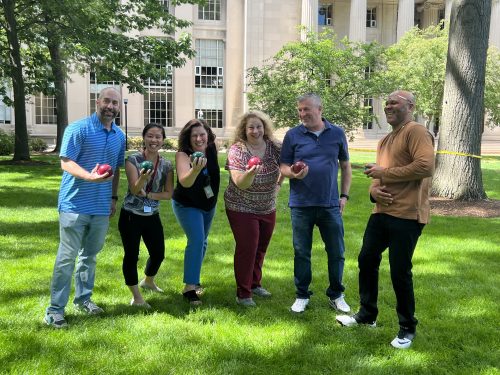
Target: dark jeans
400,236
252,233
331,228
132,227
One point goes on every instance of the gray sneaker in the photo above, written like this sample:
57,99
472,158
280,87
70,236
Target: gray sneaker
55,320
246,302
89,307
261,292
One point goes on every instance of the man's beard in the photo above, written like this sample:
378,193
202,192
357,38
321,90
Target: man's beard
108,113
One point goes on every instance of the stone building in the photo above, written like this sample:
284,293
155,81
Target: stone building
231,36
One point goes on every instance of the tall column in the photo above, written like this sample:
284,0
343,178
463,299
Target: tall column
495,24
406,17
447,9
430,15
309,17
357,21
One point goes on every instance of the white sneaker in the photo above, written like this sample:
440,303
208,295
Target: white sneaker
300,305
403,340
340,304
349,321
89,307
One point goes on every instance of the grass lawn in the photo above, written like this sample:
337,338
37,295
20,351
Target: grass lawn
456,277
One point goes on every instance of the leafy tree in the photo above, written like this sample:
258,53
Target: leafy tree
417,63
14,70
335,70
458,169
96,35
492,88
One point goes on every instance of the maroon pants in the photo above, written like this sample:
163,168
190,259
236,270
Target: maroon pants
252,234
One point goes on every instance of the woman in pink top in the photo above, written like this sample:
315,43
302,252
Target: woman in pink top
250,200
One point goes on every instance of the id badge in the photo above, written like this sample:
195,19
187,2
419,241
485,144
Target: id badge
147,209
208,191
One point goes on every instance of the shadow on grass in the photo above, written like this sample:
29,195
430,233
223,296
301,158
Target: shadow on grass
28,197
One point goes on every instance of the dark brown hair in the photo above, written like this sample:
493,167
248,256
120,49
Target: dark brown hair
184,142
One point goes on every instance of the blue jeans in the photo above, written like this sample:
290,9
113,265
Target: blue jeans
196,224
81,236
331,228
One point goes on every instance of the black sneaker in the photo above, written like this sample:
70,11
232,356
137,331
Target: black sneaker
404,339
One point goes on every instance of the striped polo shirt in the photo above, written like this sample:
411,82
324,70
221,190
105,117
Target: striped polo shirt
87,142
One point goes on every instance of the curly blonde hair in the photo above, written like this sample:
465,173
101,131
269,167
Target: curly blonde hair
240,131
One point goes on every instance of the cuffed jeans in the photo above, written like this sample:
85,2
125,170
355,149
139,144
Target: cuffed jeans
81,236
252,233
331,228
400,236
196,224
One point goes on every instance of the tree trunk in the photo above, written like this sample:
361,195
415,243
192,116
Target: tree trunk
458,169
57,66
21,146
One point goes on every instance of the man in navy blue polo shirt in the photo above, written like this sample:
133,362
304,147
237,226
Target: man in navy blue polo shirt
86,201
315,199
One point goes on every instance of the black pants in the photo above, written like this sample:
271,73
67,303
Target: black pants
400,236
132,227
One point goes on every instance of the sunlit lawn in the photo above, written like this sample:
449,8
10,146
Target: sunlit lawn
456,275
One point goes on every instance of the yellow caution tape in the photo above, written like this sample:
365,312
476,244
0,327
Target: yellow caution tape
362,149
458,153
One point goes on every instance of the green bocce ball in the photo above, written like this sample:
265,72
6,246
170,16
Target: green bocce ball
147,165
197,154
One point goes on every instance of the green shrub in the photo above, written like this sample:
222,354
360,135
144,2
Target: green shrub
6,143
37,144
135,143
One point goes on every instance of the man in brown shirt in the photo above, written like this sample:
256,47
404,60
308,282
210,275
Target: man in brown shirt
400,191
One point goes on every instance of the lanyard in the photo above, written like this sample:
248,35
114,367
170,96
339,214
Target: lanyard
149,186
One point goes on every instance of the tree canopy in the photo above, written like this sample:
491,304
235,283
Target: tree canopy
336,70
110,38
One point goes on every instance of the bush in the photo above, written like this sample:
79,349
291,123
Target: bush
37,144
135,143
6,143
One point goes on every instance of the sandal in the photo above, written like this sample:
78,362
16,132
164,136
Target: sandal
192,297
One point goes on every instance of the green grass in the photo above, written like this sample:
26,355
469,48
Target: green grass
456,276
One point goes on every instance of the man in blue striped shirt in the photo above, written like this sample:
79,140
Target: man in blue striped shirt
86,201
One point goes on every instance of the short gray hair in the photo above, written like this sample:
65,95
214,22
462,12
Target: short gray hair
312,97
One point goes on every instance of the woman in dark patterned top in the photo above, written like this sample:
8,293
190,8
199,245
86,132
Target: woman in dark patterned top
195,197
250,200
139,216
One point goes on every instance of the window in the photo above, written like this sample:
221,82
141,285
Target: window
368,104
210,11
96,85
158,99
441,18
5,113
209,81
325,15
213,117
368,72
45,109
371,17
165,4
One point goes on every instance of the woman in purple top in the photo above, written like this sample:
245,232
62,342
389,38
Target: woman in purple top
250,200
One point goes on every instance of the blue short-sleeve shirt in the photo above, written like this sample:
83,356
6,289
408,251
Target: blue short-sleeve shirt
322,154
87,142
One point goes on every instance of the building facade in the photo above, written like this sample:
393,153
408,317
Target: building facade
231,36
